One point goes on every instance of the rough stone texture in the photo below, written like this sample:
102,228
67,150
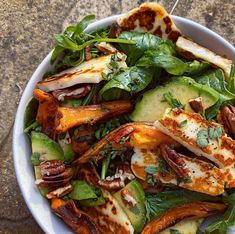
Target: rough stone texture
26,33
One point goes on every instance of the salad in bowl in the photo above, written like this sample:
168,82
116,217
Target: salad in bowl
132,129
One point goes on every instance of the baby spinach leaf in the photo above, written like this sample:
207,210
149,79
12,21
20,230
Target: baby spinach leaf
143,42
196,68
157,204
70,44
213,110
216,80
30,112
155,58
132,80
222,224
73,32
81,26
81,190
231,83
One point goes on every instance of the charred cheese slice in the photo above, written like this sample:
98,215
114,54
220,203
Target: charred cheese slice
220,151
193,49
110,218
205,177
90,71
150,17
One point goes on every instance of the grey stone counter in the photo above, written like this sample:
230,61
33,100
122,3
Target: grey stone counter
26,29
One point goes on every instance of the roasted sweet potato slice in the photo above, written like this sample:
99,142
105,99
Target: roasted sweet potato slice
46,112
79,221
68,117
176,214
136,134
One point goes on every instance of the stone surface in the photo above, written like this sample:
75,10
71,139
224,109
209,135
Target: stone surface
26,33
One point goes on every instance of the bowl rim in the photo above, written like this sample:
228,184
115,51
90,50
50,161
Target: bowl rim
17,131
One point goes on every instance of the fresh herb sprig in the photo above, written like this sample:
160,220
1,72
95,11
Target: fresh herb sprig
222,224
204,135
173,102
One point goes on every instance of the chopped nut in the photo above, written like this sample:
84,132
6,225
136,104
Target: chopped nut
60,192
112,183
127,198
228,119
196,104
123,174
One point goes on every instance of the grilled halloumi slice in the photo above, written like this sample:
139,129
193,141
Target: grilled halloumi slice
220,151
205,177
194,50
150,17
90,71
110,218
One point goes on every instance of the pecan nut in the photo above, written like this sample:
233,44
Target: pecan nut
77,91
54,174
52,167
175,161
228,119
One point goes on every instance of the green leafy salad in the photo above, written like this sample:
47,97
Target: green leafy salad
133,129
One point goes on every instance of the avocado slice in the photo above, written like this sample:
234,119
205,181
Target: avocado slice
67,149
184,227
136,213
43,190
47,148
152,106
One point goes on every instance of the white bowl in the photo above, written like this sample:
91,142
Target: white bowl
38,205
